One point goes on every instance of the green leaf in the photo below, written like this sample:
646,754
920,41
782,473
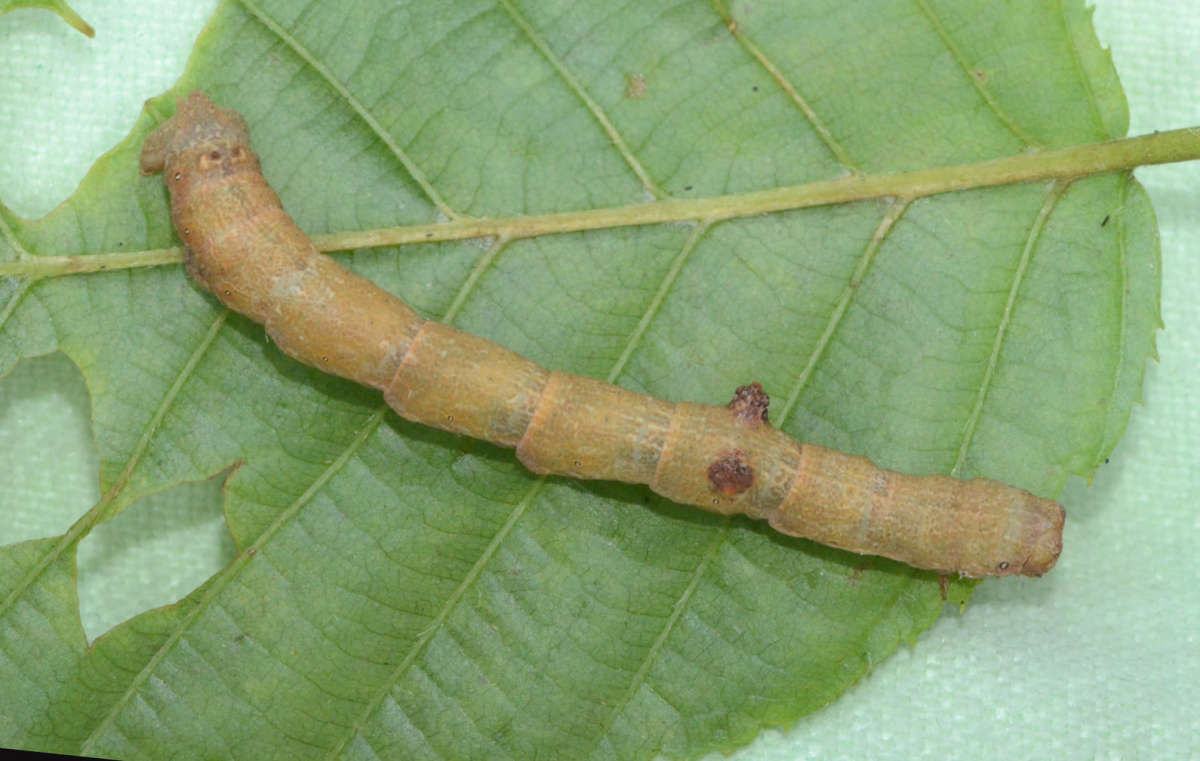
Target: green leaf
405,594
41,639
64,11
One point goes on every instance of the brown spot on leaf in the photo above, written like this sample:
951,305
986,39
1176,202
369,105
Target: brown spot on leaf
635,86
729,474
750,404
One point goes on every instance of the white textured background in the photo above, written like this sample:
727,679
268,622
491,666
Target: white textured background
1099,660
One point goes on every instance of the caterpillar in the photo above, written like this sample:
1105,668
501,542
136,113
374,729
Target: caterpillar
244,248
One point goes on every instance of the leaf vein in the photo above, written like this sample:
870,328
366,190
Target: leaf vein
482,266
10,235
660,296
358,107
1029,166
581,92
1122,315
231,572
865,261
1083,78
448,607
1054,195
15,299
944,36
823,132
679,607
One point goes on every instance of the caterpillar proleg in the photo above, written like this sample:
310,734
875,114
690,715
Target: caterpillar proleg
244,248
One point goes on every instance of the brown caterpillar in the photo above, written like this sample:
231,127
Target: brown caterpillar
247,251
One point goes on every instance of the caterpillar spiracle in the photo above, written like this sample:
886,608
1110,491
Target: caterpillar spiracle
245,249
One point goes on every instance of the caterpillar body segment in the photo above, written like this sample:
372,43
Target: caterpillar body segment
244,248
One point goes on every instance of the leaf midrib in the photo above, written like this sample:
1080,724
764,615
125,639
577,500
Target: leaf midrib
1069,163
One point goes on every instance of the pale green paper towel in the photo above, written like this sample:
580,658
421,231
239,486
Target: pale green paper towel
1099,660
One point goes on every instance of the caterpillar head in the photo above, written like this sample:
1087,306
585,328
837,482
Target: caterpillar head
199,137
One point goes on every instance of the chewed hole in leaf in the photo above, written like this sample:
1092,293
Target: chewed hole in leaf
44,408
152,554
